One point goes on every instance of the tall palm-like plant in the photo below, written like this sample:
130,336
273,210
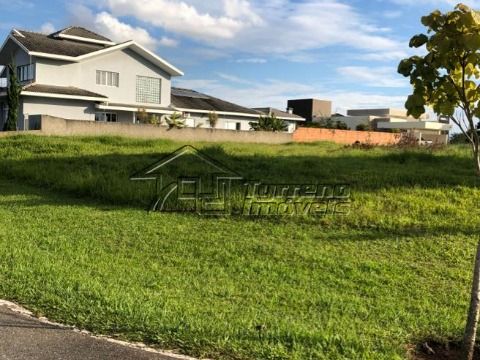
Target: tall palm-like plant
175,121
269,123
13,98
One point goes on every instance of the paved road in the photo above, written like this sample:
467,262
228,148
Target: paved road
25,338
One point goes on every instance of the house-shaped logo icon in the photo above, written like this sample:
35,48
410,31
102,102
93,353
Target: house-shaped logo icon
188,180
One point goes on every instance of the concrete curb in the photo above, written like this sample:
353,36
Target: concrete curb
137,345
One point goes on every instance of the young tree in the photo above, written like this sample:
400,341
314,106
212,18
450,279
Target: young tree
446,78
142,116
13,98
212,119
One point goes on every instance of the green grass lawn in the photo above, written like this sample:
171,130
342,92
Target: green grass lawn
78,246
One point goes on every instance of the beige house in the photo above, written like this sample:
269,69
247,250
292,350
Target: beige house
77,74
388,119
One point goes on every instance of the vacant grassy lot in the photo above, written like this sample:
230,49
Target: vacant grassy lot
77,245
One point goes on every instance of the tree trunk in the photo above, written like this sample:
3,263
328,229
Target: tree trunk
476,155
473,312
476,149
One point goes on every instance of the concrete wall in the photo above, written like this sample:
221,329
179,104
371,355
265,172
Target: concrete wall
84,74
4,134
57,126
345,136
61,127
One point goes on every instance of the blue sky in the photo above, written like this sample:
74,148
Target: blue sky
257,52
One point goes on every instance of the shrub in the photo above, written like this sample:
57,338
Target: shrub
363,127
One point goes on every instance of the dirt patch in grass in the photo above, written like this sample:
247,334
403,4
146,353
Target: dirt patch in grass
433,350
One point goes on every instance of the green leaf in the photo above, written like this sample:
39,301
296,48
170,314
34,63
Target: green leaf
418,40
405,67
463,8
472,41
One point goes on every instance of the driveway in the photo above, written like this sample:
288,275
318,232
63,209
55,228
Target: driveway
24,337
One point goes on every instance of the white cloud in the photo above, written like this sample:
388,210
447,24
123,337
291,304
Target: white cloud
373,77
394,55
252,61
452,3
241,9
168,42
265,93
392,14
206,53
185,19
114,29
235,79
17,4
111,27
47,28
344,100
276,93
275,27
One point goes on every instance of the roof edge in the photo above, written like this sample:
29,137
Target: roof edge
61,96
139,49
84,39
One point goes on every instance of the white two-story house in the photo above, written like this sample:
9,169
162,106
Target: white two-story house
77,74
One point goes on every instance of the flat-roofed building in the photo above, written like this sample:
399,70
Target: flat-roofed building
311,109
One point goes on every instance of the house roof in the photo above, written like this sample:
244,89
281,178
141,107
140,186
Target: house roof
190,100
279,113
80,32
49,44
61,90
62,45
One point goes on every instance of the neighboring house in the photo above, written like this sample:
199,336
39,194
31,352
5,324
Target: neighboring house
288,116
77,74
196,108
312,110
388,119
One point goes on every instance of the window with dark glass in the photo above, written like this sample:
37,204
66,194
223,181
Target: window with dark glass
105,117
25,72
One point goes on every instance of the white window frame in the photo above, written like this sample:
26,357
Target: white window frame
107,78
